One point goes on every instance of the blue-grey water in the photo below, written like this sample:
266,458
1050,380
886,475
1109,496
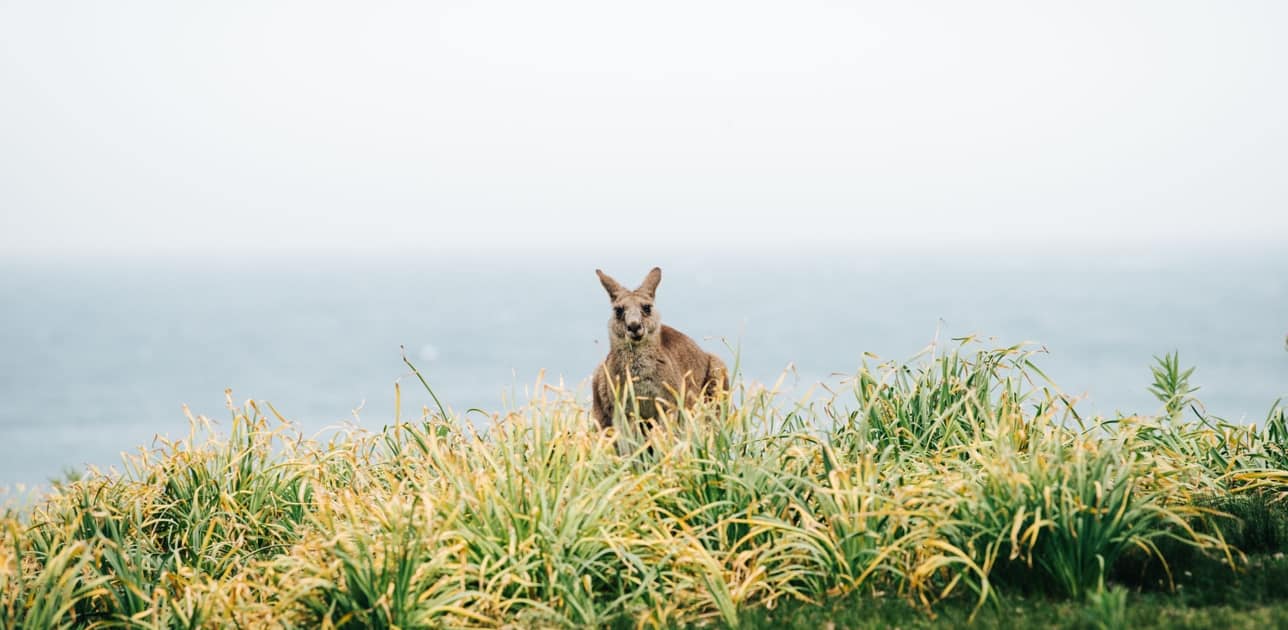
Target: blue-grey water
97,357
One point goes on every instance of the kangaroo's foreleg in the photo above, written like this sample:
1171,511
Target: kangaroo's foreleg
601,404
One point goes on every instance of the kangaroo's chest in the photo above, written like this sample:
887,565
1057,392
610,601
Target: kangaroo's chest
646,371
649,379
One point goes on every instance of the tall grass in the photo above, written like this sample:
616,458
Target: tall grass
961,474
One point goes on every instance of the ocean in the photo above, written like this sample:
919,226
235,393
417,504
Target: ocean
100,356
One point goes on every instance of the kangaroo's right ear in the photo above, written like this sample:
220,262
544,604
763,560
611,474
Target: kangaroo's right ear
650,282
614,289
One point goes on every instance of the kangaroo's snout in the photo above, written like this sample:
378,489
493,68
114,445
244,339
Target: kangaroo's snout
633,326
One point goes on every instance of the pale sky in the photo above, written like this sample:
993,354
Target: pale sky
273,127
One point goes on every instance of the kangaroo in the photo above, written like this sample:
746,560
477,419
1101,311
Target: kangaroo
662,362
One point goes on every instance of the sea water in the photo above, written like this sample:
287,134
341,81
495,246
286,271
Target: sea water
98,357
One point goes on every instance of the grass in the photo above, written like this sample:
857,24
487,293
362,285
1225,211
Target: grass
1206,596
1116,608
961,487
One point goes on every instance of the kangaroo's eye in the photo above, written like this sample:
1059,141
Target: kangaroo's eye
621,312
648,309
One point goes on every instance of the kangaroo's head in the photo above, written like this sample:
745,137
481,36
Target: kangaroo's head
634,317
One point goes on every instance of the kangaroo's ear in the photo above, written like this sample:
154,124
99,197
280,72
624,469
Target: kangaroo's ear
614,289
650,282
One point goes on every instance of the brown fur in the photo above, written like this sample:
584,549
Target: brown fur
662,362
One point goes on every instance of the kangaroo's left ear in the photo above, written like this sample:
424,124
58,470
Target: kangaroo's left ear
650,282
614,289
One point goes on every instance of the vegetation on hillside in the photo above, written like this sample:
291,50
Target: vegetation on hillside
961,482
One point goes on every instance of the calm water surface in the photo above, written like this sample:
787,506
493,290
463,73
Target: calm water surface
98,357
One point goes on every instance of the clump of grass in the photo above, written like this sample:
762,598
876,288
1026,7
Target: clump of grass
1058,516
960,475
1172,384
1106,609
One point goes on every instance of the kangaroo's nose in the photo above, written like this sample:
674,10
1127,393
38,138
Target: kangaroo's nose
633,327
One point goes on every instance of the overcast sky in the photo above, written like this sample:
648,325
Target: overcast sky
276,127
